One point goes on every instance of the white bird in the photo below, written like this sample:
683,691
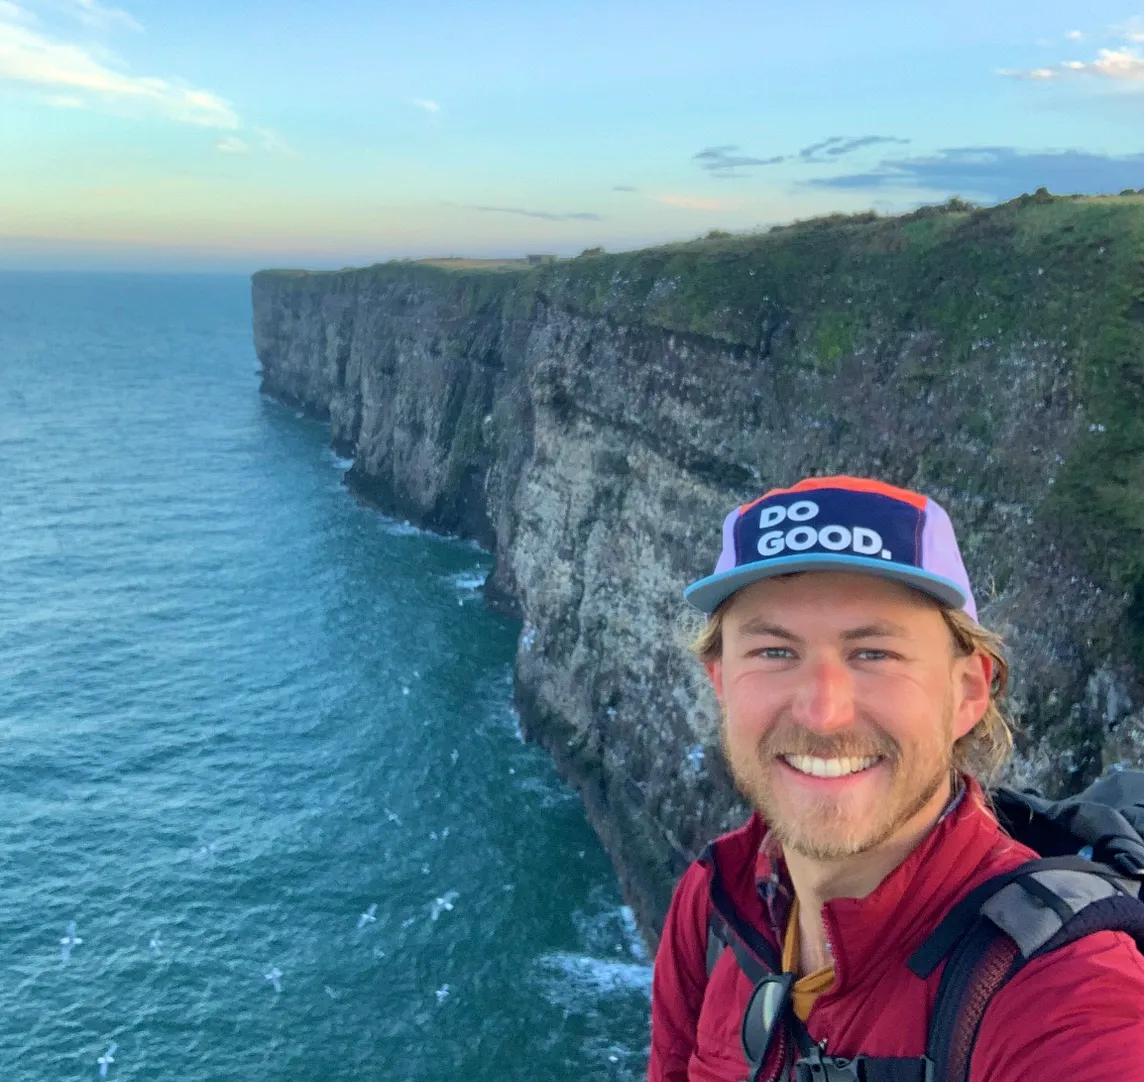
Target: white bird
442,993
393,817
445,832
69,941
156,944
404,689
106,1060
442,904
454,755
369,916
274,977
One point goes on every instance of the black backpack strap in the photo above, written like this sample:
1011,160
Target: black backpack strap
720,936
964,914
982,962
727,928
1000,927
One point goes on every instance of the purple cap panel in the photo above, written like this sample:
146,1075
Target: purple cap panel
940,554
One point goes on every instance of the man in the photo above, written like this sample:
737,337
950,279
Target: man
860,706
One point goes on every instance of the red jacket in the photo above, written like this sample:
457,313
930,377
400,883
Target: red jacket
1076,1015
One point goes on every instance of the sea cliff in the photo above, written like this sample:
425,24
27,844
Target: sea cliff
592,420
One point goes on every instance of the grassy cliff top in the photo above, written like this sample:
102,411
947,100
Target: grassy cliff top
1038,273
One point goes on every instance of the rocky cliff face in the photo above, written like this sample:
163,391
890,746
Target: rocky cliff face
592,421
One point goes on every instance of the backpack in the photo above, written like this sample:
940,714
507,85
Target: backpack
1088,879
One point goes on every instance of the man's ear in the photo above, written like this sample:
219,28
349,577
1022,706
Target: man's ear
715,675
974,684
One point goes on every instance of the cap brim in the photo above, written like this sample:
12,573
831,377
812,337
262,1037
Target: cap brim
708,593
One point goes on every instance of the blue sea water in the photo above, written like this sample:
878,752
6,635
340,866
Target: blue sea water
237,712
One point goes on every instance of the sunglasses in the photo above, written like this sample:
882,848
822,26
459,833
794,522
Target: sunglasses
761,1019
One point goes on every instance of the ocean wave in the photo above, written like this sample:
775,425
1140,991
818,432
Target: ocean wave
565,975
469,581
606,928
398,528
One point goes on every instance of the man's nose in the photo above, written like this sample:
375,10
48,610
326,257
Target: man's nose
824,698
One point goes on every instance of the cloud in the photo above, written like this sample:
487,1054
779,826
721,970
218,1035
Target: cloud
691,202
1120,65
30,58
1074,35
1115,64
838,145
264,140
91,13
65,101
722,162
1033,74
998,173
429,106
623,188
580,216
271,142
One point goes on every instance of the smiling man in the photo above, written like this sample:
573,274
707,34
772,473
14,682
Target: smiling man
861,716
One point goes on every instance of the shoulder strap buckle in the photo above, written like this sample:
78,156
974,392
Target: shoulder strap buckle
815,1067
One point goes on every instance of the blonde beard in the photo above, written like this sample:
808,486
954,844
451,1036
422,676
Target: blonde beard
826,834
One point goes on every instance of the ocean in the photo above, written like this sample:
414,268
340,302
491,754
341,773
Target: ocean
258,743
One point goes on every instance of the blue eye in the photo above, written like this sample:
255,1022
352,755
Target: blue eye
772,653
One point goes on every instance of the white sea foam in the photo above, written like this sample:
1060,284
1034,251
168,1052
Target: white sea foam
405,529
636,946
568,978
607,929
549,794
469,581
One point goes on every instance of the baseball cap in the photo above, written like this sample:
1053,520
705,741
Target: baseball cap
839,524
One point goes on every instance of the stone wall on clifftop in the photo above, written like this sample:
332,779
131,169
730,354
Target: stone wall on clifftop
592,421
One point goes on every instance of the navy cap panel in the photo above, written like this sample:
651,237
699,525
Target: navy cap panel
830,521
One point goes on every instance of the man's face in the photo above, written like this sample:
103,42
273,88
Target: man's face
842,698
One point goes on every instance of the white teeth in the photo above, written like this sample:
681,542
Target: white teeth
828,768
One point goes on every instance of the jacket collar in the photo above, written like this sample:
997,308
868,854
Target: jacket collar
883,929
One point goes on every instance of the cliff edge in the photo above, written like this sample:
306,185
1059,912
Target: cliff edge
592,420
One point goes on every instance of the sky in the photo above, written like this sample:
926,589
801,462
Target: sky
238,134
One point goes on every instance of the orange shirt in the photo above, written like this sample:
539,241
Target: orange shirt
806,989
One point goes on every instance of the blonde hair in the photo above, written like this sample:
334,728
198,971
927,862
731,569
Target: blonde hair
984,750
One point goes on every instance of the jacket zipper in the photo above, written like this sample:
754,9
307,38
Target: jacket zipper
781,1057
